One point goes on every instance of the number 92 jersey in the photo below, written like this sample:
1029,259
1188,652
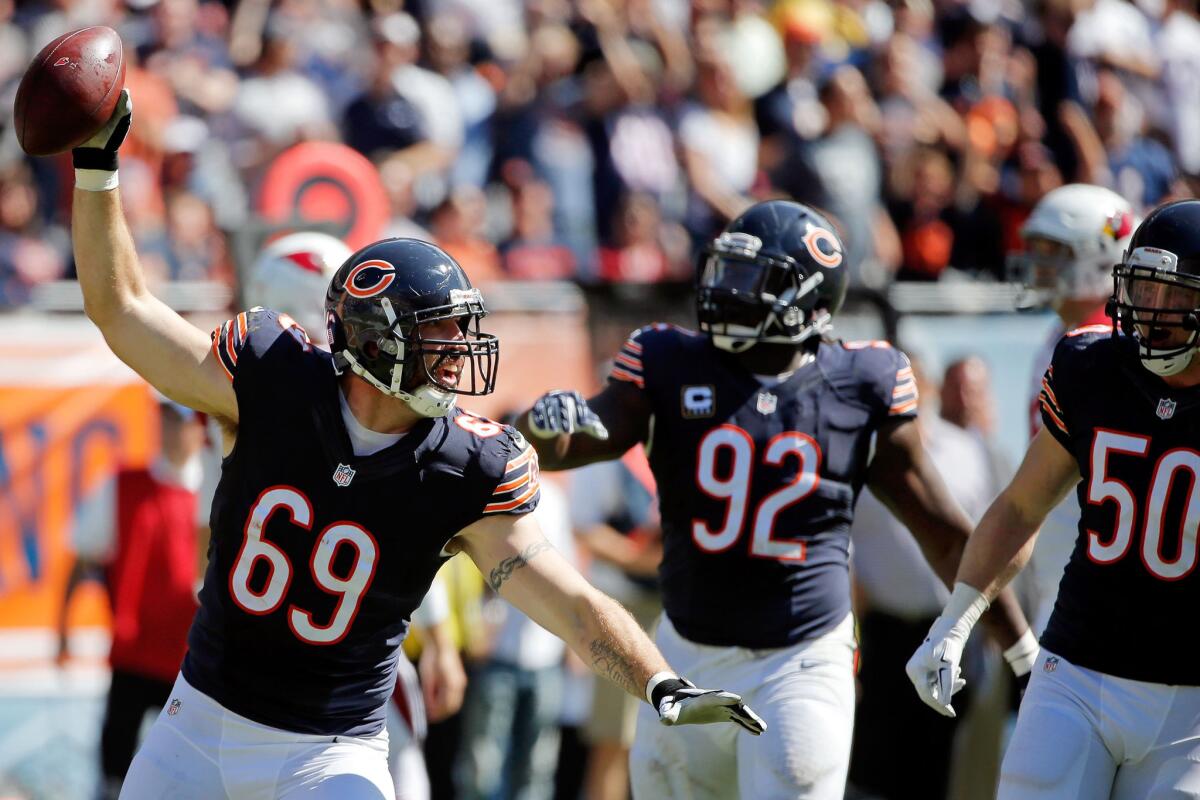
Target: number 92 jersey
1128,596
757,482
319,557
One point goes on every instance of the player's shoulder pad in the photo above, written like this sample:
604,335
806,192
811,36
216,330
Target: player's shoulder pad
252,334
508,461
1079,348
885,374
649,345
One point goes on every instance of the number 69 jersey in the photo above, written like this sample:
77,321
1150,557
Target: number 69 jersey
1129,594
318,557
758,482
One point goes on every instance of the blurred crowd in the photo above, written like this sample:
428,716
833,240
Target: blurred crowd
605,140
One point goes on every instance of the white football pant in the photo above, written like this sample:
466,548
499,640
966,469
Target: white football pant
406,728
199,750
804,692
1084,735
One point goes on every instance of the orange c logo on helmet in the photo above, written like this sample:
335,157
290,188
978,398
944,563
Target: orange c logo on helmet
359,282
812,242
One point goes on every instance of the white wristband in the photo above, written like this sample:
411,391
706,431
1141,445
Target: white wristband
655,680
96,180
964,608
1022,655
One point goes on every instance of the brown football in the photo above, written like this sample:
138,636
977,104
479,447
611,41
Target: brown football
69,91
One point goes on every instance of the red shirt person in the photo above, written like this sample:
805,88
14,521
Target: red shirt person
138,533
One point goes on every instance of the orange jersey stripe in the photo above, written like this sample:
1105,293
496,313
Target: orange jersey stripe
513,484
621,374
633,347
901,408
1054,416
509,506
627,361
215,342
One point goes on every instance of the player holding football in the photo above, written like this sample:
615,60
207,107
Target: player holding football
1071,241
291,276
761,432
349,477
1113,707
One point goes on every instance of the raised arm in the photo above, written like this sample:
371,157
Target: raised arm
995,552
904,479
569,432
520,565
162,347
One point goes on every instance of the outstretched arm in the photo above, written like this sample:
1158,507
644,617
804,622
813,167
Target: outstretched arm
569,432
162,347
520,565
996,551
906,481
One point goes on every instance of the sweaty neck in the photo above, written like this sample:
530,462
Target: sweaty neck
375,410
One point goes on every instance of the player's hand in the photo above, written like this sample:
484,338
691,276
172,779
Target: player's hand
100,151
934,669
443,681
935,672
560,412
679,702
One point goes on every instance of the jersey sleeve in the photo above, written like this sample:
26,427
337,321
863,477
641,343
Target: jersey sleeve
889,374
1053,418
242,342
627,364
517,491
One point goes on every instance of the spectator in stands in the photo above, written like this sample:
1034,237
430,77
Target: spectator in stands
533,251
30,252
138,532
720,146
645,249
457,225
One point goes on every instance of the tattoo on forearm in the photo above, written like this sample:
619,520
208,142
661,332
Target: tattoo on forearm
504,570
612,664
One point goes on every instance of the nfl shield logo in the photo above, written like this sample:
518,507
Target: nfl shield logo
1051,664
1166,408
343,475
173,709
767,403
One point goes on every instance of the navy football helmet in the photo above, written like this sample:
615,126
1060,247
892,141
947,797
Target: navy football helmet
375,306
776,274
1156,288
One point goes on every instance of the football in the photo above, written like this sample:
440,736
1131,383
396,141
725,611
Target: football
69,91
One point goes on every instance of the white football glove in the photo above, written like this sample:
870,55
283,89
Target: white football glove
561,411
679,702
934,669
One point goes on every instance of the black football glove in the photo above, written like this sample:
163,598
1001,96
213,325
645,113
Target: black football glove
566,412
100,151
679,702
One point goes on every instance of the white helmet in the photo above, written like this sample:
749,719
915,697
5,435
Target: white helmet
1073,239
291,276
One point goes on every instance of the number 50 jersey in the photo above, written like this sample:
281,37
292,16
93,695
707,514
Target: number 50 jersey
1128,597
758,482
318,557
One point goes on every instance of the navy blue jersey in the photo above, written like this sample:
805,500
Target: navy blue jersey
757,482
319,557
1126,599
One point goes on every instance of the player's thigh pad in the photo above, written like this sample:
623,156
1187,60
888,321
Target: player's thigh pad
1057,750
1166,765
350,768
687,762
806,695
